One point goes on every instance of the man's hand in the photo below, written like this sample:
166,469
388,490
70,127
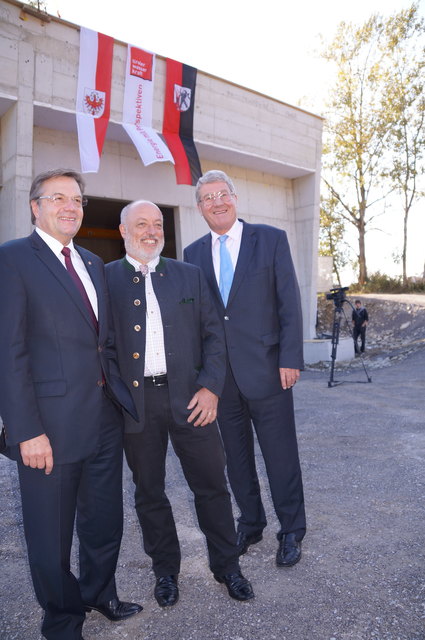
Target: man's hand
37,453
204,405
288,377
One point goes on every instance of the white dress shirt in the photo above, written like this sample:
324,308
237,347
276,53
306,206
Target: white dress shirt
233,244
155,363
77,262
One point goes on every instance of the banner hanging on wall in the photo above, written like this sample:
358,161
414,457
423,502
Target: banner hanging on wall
178,121
137,108
93,96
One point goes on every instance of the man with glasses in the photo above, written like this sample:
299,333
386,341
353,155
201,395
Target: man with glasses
60,401
253,283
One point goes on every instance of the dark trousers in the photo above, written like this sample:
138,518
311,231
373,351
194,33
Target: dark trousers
359,331
273,420
92,491
201,455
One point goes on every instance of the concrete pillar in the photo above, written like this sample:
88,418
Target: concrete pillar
307,203
16,151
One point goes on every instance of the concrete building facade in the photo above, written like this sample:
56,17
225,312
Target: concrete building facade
271,150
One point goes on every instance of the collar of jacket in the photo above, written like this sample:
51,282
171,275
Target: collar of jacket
159,267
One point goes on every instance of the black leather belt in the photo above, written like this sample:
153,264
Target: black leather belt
156,381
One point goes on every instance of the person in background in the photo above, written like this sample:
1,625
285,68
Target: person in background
359,319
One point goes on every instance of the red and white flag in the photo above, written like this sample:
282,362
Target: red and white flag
93,96
137,108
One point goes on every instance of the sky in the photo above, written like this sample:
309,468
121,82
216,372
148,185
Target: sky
272,47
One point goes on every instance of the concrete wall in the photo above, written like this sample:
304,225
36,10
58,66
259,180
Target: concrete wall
270,149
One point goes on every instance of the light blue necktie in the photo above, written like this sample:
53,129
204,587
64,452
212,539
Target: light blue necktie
226,270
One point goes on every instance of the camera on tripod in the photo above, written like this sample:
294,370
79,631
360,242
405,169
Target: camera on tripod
337,295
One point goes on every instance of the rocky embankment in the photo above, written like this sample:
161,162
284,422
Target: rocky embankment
396,327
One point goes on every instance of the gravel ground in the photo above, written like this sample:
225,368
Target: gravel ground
362,574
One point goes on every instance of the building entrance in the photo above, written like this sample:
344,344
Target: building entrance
99,232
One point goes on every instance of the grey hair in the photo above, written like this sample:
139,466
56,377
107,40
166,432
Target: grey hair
214,176
130,205
38,182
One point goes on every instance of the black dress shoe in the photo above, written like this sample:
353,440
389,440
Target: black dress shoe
238,587
244,541
289,552
115,610
166,591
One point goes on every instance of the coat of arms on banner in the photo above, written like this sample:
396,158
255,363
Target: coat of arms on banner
182,97
94,102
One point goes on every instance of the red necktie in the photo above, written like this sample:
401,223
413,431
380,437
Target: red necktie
74,275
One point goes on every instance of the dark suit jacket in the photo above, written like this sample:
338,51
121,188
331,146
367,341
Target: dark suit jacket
193,337
262,320
51,359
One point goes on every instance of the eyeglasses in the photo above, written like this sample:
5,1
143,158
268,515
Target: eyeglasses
208,200
60,200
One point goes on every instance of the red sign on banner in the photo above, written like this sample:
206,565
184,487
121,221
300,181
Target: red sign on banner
141,63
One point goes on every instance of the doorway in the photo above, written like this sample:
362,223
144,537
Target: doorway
99,232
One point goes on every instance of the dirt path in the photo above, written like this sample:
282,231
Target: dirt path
405,298
362,451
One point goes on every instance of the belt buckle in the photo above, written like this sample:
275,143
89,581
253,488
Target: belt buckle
159,383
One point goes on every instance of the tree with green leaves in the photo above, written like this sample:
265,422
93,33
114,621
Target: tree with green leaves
361,119
404,84
331,238
40,5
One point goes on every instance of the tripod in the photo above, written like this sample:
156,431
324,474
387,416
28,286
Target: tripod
338,313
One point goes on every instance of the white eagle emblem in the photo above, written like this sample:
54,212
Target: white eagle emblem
94,102
182,97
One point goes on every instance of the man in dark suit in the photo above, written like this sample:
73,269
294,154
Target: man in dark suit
171,352
251,276
60,401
